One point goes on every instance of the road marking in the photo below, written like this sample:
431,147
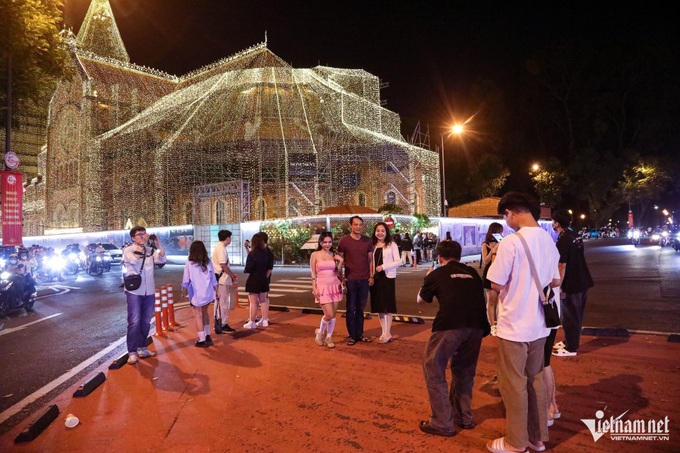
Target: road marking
16,329
64,287
60,380
285,285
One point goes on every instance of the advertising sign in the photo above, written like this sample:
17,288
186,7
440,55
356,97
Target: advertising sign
12,207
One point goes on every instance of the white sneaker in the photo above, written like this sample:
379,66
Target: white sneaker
563,353
250,325
144,353
132,358
559,345
319,337
329,342
262,323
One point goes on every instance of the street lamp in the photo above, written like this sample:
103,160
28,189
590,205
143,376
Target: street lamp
456,129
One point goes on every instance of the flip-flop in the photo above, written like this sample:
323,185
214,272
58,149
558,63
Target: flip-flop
535,447
498,446
427,428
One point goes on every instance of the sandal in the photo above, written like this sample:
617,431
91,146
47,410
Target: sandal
351,342
429,429
498,446
365,340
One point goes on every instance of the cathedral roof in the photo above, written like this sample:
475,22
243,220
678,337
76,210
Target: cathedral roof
99,33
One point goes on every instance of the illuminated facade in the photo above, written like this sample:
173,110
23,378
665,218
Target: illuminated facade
248,137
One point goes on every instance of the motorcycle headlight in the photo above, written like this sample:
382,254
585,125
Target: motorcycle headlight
57,263
99,258
636,234
5,275
664,234
630,234
3,262
655,237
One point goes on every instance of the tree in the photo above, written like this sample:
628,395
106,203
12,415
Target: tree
487,177
643,183
550,182
33,57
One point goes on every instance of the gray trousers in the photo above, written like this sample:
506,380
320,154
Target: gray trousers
461,347
520,380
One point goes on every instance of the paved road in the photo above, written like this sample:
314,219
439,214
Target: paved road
636,288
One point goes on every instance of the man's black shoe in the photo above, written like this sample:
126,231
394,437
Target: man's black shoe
208,340
227,329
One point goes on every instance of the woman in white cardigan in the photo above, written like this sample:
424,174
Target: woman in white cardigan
384,266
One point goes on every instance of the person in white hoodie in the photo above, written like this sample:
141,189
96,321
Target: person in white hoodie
384,266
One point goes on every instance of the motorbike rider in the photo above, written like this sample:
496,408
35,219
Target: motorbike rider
29,267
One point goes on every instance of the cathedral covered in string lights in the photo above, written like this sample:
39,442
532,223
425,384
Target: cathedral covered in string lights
248,137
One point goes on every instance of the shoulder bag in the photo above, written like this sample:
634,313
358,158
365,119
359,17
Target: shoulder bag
547,295
134,281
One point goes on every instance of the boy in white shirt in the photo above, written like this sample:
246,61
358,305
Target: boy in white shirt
521,329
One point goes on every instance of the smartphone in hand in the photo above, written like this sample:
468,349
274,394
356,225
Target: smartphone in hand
497,236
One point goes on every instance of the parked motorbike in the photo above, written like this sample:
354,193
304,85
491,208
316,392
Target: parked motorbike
676,240
15,293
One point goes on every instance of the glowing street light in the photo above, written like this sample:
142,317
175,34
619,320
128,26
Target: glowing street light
535,167
456,129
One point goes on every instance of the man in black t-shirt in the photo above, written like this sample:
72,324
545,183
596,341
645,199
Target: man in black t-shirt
457,332
576,281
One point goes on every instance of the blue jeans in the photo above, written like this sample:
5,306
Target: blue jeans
140,311
461,346
357,295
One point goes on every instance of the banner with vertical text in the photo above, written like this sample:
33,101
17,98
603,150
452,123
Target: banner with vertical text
12,207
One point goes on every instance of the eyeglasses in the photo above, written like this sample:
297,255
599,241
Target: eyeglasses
139,235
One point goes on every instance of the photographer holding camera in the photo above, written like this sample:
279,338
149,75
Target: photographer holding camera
140,288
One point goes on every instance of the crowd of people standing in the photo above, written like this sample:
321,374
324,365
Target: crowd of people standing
505,300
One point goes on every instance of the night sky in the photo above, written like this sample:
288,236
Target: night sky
429,52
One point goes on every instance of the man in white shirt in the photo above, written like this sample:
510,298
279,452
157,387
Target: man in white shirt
225,279
521,329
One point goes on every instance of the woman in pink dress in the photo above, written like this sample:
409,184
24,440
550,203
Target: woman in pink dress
326,286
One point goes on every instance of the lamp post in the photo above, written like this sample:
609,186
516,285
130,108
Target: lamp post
456,129
443,171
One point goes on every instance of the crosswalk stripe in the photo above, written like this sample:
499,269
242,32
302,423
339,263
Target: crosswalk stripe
284,285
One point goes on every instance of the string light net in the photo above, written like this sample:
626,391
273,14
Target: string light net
246,138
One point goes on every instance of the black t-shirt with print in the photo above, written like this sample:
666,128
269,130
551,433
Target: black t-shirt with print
458,288
577,276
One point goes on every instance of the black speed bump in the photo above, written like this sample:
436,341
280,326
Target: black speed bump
278,308
409,319
312,311
366,315
39,425
88,386
119,361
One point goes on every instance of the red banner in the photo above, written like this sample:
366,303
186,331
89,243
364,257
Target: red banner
12,207
630,219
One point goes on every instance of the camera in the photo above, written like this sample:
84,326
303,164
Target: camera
152,241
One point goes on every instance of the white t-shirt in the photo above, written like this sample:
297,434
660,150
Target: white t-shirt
520,315
220,256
